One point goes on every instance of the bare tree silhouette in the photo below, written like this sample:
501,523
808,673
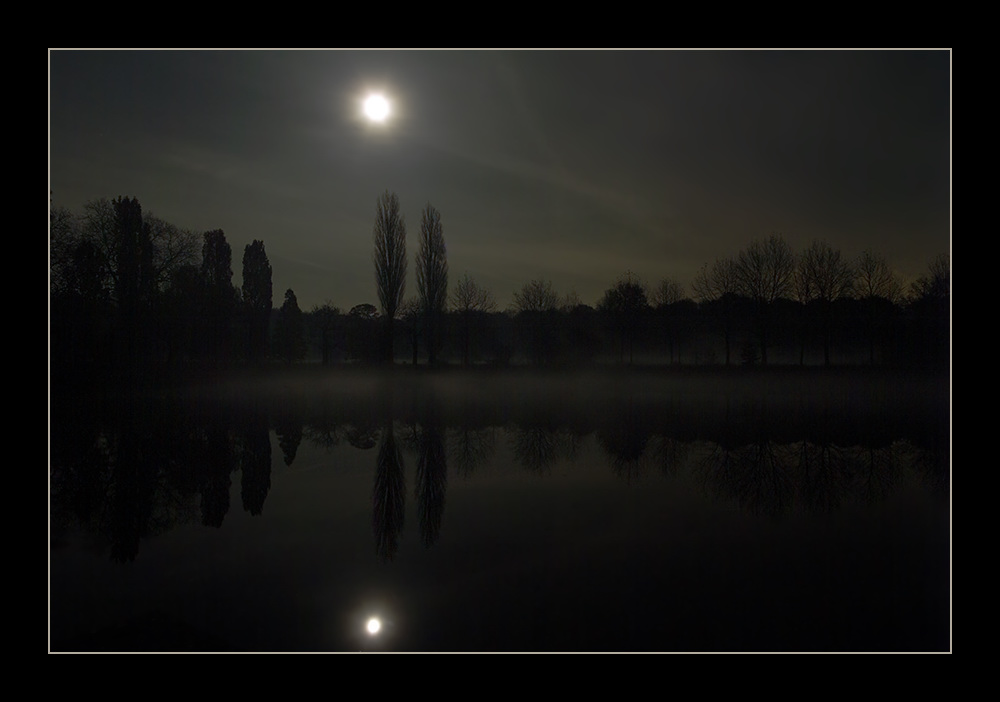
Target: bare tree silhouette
536,305
936,284
874,278
536,296
879,289
718,285
170,247
824,276
470,300
764,273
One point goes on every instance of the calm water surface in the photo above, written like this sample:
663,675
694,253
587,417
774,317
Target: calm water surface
505,513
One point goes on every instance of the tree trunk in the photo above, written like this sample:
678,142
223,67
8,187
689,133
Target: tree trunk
388,357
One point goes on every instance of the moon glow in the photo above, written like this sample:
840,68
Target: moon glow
376,107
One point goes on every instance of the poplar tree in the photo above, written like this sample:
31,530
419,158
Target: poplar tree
432,276
257,298
390,261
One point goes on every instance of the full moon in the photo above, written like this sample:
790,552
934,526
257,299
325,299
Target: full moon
376,108
373,625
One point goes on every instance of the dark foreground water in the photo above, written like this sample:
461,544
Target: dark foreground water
639,512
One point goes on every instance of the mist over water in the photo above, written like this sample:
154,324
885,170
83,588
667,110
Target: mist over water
509,511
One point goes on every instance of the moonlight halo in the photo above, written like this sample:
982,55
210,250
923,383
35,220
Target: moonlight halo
376,107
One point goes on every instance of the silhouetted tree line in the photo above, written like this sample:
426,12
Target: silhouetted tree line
134,297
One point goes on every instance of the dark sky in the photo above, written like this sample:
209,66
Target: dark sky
571,166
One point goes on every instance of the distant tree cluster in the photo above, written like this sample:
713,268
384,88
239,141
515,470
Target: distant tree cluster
133,296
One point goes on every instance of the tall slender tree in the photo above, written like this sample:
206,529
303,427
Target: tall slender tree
134,264
432,276
390,262
257,299
133,279
220,294
217,260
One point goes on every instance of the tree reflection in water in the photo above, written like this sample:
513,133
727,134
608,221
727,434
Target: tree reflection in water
217,466
289,431
362,435
824,474
756,476
880,468
131,489
255,464
471,447
432,479
388,496
536,447
623,436
670,454
124,473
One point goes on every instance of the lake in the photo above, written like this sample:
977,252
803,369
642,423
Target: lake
642,511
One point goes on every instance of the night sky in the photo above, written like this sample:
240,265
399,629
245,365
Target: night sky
571,166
